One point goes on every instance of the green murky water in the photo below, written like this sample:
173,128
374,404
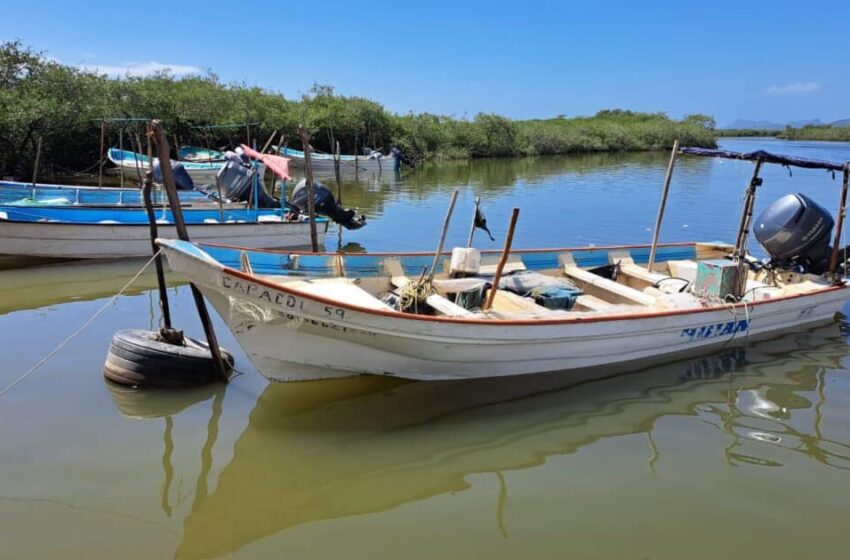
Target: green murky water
739,454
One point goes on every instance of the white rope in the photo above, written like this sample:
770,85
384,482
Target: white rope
76,333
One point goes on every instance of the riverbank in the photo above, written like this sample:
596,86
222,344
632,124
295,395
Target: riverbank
63,106
809,132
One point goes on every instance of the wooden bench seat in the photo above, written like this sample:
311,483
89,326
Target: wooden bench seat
603,288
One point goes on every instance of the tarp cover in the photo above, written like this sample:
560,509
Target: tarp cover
278,164
766,157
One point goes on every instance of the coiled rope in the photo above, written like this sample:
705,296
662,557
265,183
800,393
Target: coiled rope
79,331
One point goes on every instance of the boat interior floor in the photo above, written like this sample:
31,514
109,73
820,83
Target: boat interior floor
624,287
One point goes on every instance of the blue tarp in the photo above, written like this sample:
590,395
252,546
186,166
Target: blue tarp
766,157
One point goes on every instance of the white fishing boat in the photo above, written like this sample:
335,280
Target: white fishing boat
135,165
78,237
323,164
309,316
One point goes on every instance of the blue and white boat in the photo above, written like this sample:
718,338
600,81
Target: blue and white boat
95,233
135,165
202,155
18,193
323,164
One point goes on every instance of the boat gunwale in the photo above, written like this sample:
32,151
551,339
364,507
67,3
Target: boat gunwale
499,322
448,253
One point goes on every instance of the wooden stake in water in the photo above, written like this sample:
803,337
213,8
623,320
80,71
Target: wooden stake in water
182,233
102,153
443,236
491,295
336,172
35,167
667,178
121,149
160,274
308,168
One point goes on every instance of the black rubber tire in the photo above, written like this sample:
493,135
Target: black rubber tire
138,358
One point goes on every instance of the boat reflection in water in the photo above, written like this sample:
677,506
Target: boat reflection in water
332,449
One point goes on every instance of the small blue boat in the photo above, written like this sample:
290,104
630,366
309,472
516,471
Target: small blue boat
13,192
199,155
79,232
135,165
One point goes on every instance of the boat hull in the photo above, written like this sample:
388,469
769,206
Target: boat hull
323,164
103,241
291,336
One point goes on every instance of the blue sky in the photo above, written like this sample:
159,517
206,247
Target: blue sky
775,60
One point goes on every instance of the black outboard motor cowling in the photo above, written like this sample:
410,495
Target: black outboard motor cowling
181,176
795,230
324,203
236,181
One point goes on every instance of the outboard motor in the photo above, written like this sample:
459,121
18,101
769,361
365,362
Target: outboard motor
795,232
236,181
400,158
181,176
325,204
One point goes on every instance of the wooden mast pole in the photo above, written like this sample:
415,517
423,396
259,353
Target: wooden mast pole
102,152
667,179
183,234
308,168
509,239
472,227
842,209
35,167
443,235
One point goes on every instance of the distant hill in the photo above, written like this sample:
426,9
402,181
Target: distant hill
801,124
744,124
741,124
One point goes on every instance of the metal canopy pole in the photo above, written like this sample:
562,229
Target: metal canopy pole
667,179
842,208
744,229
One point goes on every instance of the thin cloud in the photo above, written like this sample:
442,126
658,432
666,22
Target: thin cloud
794,87
136,69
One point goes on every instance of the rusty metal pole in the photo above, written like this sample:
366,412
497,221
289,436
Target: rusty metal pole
183,234
308,167
744,229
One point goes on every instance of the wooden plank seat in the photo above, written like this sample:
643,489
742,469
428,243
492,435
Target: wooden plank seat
603,288
588,302
640,277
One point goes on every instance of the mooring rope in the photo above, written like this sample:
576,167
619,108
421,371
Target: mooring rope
84,326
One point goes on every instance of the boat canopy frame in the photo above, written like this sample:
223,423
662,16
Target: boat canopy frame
759,157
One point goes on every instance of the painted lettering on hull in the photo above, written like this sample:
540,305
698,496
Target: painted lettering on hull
716,330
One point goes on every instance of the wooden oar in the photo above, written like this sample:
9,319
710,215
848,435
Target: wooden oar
491,295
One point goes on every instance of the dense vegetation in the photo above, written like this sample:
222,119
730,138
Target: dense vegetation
63,106
736,132
817,132
808,132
